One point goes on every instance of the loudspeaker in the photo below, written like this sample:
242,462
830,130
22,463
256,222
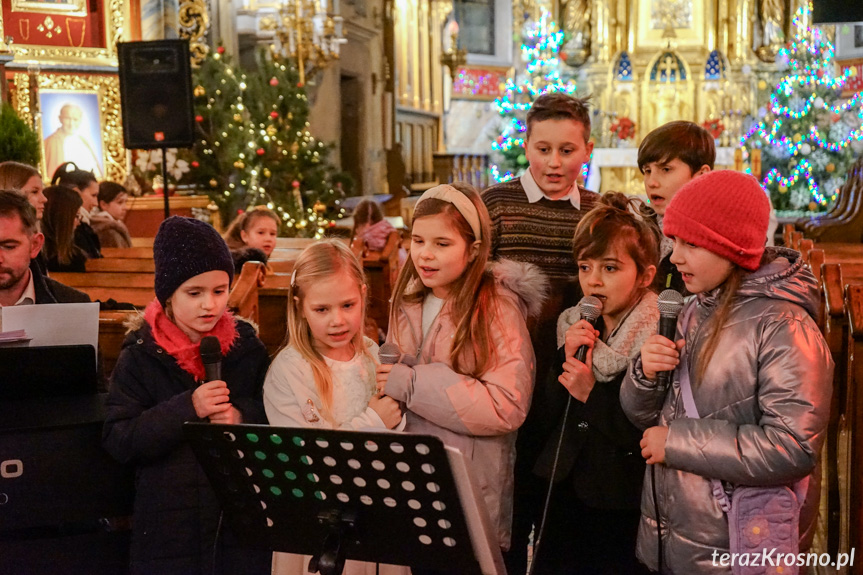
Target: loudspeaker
836,11
156,94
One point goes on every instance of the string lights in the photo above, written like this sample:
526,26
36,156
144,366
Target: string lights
809,128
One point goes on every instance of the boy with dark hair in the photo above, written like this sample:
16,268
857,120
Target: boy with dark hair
670,156
533,220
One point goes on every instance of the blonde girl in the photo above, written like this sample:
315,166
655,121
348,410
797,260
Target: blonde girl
470,371
759,376
325,375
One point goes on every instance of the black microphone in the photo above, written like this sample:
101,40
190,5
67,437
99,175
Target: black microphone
591,310
670,303
389,353
211,355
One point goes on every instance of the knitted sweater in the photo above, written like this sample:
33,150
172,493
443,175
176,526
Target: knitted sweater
539,233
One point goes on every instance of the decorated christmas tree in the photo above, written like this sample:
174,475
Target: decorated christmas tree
808,128
541,42
254,145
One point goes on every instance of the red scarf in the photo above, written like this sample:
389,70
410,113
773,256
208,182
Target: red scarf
178,345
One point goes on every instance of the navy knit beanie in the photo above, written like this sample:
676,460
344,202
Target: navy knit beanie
184,248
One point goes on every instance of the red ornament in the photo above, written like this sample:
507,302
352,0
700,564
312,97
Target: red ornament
274,81
332,224
260,151
195,164
274,114
199,118
295,183
300,84
220,49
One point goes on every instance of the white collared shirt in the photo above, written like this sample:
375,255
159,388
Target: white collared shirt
534,192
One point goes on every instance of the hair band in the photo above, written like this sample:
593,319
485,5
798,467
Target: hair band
294,277
462,203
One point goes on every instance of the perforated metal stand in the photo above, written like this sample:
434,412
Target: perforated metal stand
380,497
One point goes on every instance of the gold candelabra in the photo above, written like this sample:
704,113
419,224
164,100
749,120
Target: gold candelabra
310,32
454,58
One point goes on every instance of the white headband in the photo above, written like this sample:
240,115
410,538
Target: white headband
462,203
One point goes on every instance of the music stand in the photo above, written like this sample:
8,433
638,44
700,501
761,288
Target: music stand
380,497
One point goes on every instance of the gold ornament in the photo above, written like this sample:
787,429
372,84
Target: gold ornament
830,167
290,116
797,138
199,91
238,118
213,183
295,148
239,164
762,85
271,130
319,207
782,189
813,206
267,173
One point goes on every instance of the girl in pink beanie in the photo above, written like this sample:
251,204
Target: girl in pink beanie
750,392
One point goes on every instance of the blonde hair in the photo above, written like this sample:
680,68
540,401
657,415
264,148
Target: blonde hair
472,297
319,261
233,235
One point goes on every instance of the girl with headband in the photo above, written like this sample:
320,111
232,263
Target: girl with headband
467,365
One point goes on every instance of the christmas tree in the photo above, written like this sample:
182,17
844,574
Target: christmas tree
254,145
541,43
808,128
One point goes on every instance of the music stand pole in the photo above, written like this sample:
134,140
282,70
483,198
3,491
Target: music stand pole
380,497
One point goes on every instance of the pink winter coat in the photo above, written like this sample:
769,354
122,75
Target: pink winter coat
477,416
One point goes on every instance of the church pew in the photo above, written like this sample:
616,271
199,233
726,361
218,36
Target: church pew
134,288
121,265
294,243
140,252
851,431
244,298
143,242
112,333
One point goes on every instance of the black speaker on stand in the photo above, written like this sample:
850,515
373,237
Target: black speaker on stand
836,11
156,98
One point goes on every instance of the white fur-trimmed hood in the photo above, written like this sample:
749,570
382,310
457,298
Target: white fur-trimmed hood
525,281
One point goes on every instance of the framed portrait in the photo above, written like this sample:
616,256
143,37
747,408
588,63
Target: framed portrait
71,130
849,41
78,120
63,31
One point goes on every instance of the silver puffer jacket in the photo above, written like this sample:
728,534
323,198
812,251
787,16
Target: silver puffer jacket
764,403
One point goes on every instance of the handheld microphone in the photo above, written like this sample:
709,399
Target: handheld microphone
670,303
591,310
211,355
389,353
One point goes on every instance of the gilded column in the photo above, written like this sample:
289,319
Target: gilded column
425,61
194,23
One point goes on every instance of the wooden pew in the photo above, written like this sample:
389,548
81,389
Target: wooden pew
112,333
294,243
244,299
143,242
121,265
134,288
851,427
144,252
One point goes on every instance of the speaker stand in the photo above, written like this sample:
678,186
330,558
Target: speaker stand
165,184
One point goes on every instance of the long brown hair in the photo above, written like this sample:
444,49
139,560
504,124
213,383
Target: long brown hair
319,261
242,223
366,212
472,298
717,320
14,175
58,223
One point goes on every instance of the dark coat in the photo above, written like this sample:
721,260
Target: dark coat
88,241
600,457
52,291
176,510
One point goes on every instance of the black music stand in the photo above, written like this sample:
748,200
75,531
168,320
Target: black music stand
380,497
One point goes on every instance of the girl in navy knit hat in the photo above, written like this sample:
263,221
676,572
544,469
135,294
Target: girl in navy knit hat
750,392
159,383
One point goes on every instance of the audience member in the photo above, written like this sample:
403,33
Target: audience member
62,217
107,221
257,228
25,180
87,186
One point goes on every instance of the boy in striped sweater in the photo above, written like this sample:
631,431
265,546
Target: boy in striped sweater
533,220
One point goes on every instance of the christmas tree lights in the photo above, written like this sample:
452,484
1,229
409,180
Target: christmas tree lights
808,130
540,48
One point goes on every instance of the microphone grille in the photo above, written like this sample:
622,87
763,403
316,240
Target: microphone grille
211,349
591,307
389,353
670,302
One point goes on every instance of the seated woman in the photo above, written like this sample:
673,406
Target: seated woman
86,185
62,217
107,222
27,181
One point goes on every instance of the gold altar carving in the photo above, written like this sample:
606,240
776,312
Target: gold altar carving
108,89
65,7
194,24
46,55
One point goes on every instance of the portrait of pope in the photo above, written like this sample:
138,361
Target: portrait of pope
72,132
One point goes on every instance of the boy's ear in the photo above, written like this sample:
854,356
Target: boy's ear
702,170
647,276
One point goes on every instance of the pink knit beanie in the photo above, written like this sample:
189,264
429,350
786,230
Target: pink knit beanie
725,212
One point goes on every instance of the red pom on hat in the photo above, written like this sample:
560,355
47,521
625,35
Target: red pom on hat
724,212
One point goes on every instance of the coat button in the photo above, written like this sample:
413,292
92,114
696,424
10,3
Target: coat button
158,350
140,341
